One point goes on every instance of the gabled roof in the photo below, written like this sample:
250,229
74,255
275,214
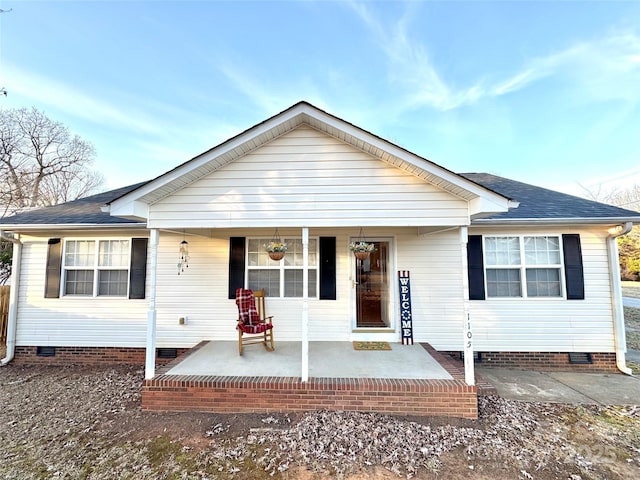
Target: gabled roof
541,205
85,211
537,205
135,203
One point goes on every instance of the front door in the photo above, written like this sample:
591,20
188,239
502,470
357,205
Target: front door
373,289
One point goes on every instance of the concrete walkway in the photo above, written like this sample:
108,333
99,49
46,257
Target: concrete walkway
563,387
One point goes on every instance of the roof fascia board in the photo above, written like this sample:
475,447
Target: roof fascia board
484,205
71,226
132,209
553,221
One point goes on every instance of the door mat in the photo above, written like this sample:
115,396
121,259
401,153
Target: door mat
371,346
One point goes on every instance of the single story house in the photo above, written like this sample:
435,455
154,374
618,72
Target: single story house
513,273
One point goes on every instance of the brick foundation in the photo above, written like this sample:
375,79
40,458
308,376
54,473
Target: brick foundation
451,398
546,361
88,356
447,398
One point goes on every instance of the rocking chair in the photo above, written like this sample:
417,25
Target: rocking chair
253,325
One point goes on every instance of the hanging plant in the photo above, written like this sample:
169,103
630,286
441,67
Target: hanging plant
276,248
362,249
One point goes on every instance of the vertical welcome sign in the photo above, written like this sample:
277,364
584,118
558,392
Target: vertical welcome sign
405,307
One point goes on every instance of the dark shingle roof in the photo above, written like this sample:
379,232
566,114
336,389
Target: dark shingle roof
537,203
85,210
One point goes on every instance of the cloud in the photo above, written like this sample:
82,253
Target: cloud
55,94
602,68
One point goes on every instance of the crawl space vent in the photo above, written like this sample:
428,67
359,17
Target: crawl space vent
580,358
167,352
46,351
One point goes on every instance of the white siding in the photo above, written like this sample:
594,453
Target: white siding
201,293
435,265
434,261
551,325
306,177
72,321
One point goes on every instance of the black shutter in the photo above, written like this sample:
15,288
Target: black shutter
236,264
54,266
475,267
327,268
138,270
573,271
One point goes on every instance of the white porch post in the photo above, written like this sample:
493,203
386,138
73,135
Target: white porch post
305,304
150,361
469,374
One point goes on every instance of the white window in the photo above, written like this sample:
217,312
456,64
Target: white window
522,266
281,278
96,267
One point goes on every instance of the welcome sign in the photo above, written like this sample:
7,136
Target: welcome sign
405,307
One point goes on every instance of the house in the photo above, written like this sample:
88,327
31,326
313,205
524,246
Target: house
512,273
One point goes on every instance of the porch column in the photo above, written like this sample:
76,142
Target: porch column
469,374
150,360
305,304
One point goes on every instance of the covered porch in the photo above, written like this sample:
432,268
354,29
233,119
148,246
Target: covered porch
406,380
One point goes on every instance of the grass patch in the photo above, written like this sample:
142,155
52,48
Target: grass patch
631,289
632,318
633,340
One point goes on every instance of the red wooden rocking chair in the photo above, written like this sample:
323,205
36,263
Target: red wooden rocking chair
253,324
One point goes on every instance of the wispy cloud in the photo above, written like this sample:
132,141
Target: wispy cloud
52,93
607,67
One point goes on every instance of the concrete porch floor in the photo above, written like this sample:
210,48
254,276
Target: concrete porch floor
408,380
326,360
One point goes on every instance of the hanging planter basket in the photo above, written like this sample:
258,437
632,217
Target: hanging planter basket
361,255
276,248
361,248
276,256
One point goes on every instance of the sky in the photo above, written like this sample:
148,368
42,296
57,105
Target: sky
544,92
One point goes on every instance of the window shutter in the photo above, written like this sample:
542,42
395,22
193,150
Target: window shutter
138,269
475,267
573,270
236,264
327,268
54,267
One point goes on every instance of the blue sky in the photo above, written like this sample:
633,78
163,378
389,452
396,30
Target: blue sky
542,92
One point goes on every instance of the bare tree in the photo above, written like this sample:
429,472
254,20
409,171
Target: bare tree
41,162
628,198
629,245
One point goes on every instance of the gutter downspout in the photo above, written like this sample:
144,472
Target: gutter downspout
616,295
12,321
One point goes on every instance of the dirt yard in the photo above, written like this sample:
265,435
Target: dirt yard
70,423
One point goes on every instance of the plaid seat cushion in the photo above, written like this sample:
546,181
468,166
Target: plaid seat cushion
259,328
248,314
